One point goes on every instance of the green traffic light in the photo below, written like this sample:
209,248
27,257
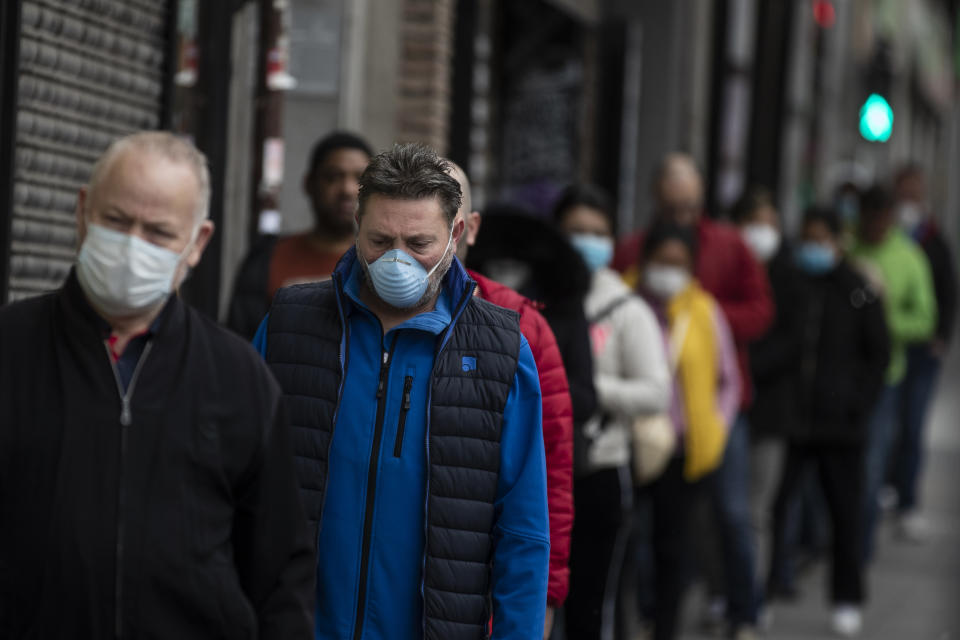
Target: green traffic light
876,119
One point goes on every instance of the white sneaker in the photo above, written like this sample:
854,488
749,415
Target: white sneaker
913,527
847,620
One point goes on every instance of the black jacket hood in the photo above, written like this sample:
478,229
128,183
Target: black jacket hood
558,273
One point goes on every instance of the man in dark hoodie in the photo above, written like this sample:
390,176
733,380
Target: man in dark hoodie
147,484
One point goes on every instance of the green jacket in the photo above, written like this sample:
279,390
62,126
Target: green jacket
909,301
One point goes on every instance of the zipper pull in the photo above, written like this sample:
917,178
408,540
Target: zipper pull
125,415
407,385
381,383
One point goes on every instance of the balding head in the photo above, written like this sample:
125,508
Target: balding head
162,145
678,189
470,217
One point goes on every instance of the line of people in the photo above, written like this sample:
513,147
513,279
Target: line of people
458,425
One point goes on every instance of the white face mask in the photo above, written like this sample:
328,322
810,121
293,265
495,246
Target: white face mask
665,281
762,239
124,275
909,215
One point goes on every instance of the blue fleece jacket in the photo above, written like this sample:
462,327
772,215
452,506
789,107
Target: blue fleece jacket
393,607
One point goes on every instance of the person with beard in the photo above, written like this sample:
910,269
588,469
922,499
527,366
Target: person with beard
417,412
331,184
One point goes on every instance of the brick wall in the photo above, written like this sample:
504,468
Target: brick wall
423,72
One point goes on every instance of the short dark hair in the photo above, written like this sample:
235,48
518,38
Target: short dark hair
749,203
334,142
825,216
876,199
411,171
587,195
664,231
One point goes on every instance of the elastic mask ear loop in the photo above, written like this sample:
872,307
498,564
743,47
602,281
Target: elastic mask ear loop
440,261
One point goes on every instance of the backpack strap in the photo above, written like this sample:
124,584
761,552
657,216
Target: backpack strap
610,308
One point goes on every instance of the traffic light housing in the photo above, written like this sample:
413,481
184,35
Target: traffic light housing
876,113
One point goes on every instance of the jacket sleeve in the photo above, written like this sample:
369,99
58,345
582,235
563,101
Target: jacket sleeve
558,447
749,312
913,318
521,529
644,385
250,300
728,386
272,547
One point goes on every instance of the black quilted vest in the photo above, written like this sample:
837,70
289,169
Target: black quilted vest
307,349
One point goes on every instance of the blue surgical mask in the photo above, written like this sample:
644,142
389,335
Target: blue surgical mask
848,206
815,258
399,279
596,251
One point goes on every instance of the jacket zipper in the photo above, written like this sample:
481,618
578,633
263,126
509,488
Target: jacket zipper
126,419
372,486
404,408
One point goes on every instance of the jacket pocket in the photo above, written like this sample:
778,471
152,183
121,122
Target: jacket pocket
404,409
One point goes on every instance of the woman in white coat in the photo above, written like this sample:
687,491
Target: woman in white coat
632,380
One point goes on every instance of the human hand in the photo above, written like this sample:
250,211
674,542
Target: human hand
548,622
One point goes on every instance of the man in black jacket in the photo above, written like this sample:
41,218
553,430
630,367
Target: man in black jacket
331,184
923,359
837,379
147,484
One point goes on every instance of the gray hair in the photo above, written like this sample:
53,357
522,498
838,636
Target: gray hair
168,146
411,171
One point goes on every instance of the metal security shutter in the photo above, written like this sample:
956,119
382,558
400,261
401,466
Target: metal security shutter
89,71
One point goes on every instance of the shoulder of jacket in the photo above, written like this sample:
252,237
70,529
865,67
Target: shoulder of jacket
504,316
305,294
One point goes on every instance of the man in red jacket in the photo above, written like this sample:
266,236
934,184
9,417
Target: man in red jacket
557,408
725,268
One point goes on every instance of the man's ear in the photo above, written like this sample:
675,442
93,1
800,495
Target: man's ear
203,237
458,230
472,227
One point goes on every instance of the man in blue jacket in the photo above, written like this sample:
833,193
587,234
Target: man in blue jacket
417,421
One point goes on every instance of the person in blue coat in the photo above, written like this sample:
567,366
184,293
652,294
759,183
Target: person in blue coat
416,409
